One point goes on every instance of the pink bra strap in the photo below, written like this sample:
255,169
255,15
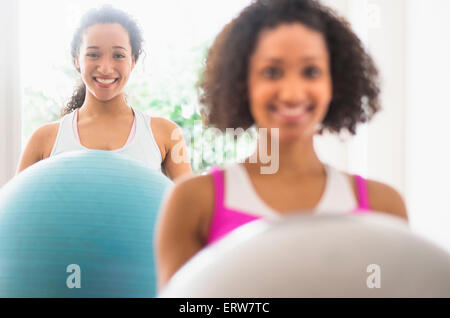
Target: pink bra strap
218,180
133,132
363,195
74,125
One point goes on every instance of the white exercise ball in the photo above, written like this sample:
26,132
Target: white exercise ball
369,255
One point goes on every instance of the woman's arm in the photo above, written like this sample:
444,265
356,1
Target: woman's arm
168,135
39,146
183,225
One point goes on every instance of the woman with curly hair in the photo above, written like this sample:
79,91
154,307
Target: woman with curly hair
105,49
293,68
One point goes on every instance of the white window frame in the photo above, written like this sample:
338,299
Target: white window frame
10,106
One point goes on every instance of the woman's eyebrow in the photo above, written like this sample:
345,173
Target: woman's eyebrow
114,47
303,59
119,47
311,58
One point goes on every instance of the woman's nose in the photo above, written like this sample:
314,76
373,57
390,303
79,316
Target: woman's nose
292,91
105,66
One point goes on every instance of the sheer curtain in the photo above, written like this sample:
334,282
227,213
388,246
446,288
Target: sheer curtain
10,111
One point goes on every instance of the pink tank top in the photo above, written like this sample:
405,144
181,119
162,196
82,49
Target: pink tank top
225,220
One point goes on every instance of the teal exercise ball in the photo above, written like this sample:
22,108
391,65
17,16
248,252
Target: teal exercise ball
80,224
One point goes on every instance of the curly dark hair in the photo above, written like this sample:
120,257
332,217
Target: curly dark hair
223,85
104,14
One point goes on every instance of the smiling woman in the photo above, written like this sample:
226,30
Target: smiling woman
105,49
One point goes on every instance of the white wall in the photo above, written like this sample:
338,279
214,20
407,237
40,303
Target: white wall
378,151
428,150
387,132
10,112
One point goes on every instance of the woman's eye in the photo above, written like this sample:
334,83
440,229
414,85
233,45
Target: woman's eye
272,72
93,55
119,56
312,72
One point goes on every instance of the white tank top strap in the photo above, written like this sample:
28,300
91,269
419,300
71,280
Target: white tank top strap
143,146
337,198
146,129
65,139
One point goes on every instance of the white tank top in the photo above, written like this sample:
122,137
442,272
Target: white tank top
337,198
142,146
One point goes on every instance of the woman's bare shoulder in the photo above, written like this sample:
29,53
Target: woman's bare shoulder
163,124
191,202
195,191
39,146
383,198
47,135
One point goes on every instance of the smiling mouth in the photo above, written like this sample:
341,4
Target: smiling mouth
105,81
293,112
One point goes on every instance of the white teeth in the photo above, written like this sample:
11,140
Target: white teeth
105,81
292,112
